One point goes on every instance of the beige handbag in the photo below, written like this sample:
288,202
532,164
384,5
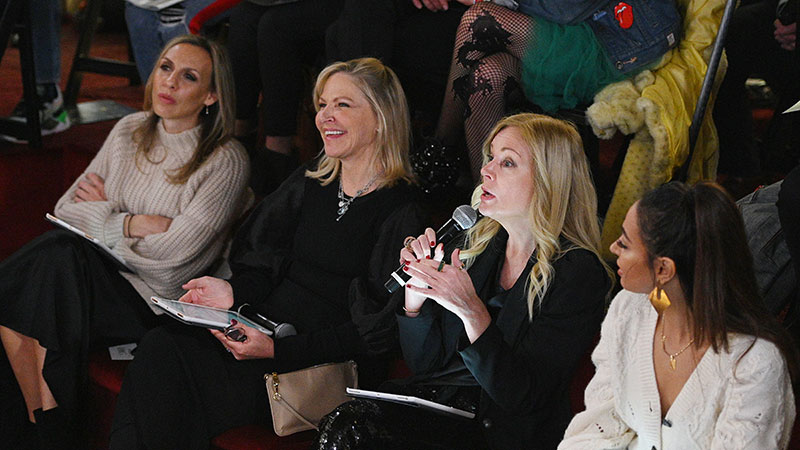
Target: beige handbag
299,400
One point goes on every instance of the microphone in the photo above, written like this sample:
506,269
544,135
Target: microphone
464,217
278,330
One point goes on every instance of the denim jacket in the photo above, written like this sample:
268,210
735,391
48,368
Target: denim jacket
633,32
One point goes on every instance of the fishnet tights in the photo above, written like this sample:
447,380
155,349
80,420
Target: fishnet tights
490,42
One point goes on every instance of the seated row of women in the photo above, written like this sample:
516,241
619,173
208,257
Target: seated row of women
495,322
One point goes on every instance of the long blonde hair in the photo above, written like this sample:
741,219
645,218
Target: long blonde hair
216,127
564,200
385,95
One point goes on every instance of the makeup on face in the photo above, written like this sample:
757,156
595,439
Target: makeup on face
508,186
633,262
182,86
345,119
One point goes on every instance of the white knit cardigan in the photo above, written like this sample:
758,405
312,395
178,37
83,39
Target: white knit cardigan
202,209
727,403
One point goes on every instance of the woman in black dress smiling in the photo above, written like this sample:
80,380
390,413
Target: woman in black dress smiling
314,253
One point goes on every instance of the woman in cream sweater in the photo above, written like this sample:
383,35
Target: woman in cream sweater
702,365
162,193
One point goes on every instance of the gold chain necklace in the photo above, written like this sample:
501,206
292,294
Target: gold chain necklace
673,364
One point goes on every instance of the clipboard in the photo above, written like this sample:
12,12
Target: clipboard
204,316
415,402
97,242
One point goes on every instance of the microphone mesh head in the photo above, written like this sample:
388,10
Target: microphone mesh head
465,216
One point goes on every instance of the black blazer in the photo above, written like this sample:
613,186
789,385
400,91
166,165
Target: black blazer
524,367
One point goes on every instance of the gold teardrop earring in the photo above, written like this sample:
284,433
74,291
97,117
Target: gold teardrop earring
659,299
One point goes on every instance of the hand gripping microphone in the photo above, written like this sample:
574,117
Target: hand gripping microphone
463,218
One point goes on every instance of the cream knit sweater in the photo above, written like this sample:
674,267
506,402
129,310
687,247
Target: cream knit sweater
727,403
202,209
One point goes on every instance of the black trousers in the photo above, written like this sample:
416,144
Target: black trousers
183,388
268,46
751,50
60,290
416,44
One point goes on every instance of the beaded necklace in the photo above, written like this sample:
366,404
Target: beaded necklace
345,201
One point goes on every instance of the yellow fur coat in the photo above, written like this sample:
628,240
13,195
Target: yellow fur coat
656,107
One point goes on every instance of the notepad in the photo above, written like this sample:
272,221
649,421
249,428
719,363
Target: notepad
410,401
204,316
97,242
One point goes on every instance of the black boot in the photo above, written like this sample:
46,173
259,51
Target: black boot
20,435
54,430
16,431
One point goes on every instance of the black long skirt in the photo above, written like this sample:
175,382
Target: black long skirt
63,292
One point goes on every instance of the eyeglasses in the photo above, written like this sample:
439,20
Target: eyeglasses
234,333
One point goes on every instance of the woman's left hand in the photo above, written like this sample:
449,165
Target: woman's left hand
257,345
91,189
452,288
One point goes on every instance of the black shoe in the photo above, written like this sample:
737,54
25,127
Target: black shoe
54,430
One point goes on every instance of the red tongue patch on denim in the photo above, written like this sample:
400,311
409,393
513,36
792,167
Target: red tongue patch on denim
624,15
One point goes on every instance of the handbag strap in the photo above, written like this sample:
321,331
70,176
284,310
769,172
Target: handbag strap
278,397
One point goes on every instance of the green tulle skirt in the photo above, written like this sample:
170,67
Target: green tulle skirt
565,65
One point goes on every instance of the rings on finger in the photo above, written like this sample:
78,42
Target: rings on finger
407,242
441,266
228,349
461,267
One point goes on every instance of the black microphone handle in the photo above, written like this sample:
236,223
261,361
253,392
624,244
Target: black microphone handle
278,330
443,235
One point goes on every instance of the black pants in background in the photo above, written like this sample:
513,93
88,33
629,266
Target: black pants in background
183,388
416,43
268,46
752,51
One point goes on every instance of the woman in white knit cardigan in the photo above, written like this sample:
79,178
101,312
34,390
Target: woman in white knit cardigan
162,193
702,365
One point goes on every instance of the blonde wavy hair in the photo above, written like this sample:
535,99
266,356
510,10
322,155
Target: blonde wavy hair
380,86
564,200
216,127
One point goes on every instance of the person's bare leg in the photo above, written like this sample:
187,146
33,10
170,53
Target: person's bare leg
26,357
48,401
